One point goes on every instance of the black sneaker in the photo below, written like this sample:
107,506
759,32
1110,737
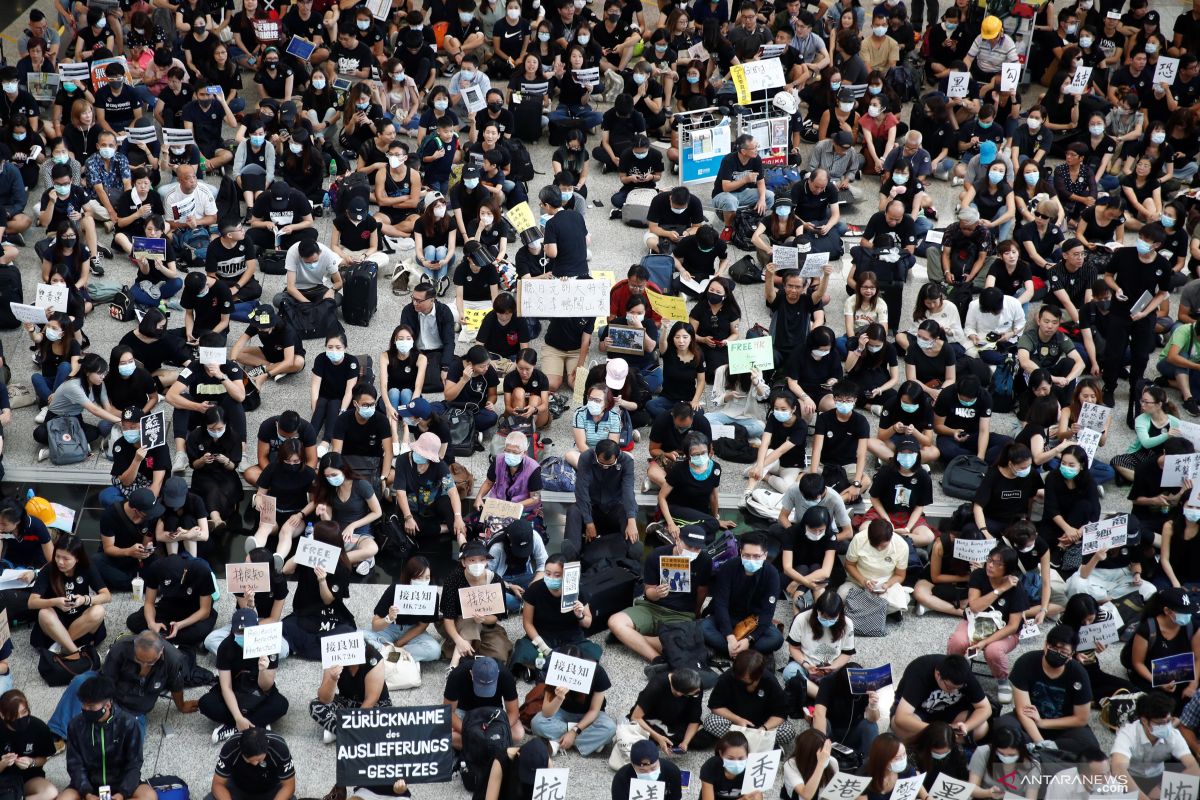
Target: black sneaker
15,239
614,213
1191,407
1110,398
104,251
97,268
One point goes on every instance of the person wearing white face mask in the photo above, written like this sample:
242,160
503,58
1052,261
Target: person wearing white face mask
513,477
470,76
840,439
334,373
134,466
820,641
464,36
107,173
1005,766
645,764
390,627
510,34
464,633
342,495
780,466
214,453
1143,747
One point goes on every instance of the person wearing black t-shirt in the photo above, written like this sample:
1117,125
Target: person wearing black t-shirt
280,351
689,493
389,627
701,255
645,762
547,627
639,167
256,763
901,491
207,306
248,682
673,216
840,439
201,386
1050,685
178,600
566,236
334,375
939,688
962,421
502,333
359,686
749,695
365,436
593,729
481,682
1007,490
74,592
233,259
780,459
722,784
1131,273
741,181
472,380
998,591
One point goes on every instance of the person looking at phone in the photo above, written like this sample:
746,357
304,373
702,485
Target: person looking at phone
127,538
69,598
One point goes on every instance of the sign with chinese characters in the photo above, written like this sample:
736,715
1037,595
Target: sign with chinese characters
760,772
241,578
154,430
959,84
550,784
1010,76
947,788
570,586
844,786
574,673
343,650
1105,534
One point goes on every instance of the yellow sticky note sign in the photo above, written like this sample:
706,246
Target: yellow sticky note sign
473,317
738,74
669,307
604,275
521,217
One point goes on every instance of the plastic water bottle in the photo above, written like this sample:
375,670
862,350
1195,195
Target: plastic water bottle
325,201
332,167
138,585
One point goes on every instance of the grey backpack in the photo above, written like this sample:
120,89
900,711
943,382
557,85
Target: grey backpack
66,441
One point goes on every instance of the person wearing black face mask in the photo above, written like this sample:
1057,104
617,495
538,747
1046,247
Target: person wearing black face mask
26,738
154,348
276,78
1052,694
104,747
495,112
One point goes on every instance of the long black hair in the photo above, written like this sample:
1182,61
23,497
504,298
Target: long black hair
830,605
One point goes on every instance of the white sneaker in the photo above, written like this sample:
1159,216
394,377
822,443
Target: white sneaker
328,737
43,454
223,733
179,462
1004,694
921,610
40,416
956,181
645,485
365,566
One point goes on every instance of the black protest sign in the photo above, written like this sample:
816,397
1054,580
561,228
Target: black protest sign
378,745
154,430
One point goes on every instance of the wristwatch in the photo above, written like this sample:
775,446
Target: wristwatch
857,484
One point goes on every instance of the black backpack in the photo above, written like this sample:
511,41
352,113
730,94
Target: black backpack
356,184
11,291
1004,397
746,270
486,736
737,449
522,163
745,223
962,476
683,647
461,420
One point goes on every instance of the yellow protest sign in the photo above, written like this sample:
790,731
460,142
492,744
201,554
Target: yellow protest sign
521,217
737,74
673,308
473,317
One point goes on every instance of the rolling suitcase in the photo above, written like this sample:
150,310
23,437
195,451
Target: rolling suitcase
360,296
608,590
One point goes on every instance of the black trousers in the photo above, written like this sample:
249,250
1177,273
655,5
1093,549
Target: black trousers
1140,336
262,711
192,636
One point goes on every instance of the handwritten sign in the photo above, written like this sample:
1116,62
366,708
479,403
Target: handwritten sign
343,650
973,551
246,578
263,640
52,296
267,505
869,679
669,307
154,430
415,601
481,600
959,84
35,315
1089,440
1010,76
844,785
472,318
757,76
311,553
785,256
1178,786
908,788
550,784
1105,534
947,788
495,508
746,355
562,298
1103,631
675,572
521,217
1166,70
151,249
814,265
212,355
1079,80
570,585
761,769
574,673
647,790
1176,469
1094,416
1190,431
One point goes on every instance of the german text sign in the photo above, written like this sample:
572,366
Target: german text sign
377,746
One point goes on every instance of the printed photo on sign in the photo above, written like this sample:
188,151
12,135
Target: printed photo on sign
149,249
570,585
379,746
247,577
675,572
869,679
264,639
473,98
416,601
481,600
300,48
311,553
52,296
1179,668
974,551
343,650
760,771
626,339
574,673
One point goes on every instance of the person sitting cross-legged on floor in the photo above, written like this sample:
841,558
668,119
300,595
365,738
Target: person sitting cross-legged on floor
246,694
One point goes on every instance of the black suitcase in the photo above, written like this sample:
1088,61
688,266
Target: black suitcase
608,590
527,120
559,128
10,292
360,294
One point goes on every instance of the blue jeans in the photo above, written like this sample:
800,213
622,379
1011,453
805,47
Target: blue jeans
653,378
590,118
421,647
859,737
145,95
754,427
793,669
511,601
68,707
400,397
167,289
110,496
1110,183
742,198
768,641
593,738
1187,171
921,226
433,253
43,388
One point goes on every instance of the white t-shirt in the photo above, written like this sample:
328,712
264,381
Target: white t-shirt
200,203
865,316
825,649
1145,759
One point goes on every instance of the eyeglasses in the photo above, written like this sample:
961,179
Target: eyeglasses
1041,216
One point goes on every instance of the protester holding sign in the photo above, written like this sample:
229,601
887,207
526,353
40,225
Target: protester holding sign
645,764
1006,765
267,604
319,607
1166,629
136,464
1081,613
472,631
245,695
547,627
593,729
397,627
349,686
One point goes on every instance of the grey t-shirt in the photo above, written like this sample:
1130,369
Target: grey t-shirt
69,398
1026,774
309,276
354,507
1190,296
796,503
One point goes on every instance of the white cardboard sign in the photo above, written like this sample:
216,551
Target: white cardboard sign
345,650
263,640
574,673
